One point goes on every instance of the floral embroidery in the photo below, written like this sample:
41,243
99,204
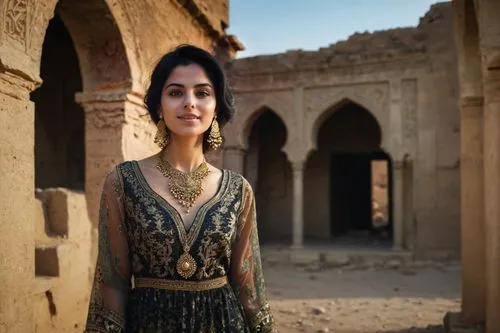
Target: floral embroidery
223,241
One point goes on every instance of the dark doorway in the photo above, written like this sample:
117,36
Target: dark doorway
268,170
347,183
59,120
361,196
350,193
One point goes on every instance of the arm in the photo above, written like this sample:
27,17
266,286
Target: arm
112,275
246,277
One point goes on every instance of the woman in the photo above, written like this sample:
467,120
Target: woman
181,229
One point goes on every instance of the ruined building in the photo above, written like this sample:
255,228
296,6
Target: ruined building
387,139
323,135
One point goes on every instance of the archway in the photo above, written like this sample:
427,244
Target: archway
59,120
82,55
268,170
348,180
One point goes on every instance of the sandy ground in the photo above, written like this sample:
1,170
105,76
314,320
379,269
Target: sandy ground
363,299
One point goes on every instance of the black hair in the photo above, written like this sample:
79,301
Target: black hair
184,55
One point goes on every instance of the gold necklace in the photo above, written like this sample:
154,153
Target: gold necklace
185,188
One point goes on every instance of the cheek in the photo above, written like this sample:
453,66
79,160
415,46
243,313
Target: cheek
208,107
168,106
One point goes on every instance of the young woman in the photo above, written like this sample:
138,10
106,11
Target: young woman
183,231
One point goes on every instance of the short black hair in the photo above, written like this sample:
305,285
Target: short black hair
184,55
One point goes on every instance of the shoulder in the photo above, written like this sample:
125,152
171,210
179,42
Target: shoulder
117,168
115,174
241,182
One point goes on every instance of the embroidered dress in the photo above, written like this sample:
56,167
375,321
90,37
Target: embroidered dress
138,286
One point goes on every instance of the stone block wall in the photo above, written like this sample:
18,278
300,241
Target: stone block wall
62,261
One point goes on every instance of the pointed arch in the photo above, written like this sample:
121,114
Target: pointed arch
253,117
331,110
268,170
250,105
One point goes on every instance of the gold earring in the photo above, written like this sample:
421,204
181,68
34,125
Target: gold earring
162,138
214,138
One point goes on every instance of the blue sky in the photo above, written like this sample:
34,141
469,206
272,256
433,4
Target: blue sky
274,26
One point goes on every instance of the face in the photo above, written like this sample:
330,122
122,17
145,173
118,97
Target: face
188,101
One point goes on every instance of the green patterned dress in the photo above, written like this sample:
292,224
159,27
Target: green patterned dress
138,286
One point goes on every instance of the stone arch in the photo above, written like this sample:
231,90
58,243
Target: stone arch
108,61
372,97
107,54
268,170
339,173
59,126
329,111
253,117
248,108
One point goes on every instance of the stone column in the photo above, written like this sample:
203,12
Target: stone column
471,164
234,159
399,144
492,197
114,132
472,210
398,204
489,28
298,202
17,196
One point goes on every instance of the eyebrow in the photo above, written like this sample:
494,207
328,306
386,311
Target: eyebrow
182,86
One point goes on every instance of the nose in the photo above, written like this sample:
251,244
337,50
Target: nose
189,102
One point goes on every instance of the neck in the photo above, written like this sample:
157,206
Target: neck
184,154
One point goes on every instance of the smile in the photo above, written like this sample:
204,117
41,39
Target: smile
188,117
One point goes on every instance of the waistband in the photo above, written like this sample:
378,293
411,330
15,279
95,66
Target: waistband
180,285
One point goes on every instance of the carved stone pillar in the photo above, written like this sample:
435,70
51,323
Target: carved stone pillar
471,164
298,202
472,210
234,159
116,129
492,197
17,194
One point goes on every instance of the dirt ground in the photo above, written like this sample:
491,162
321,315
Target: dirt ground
363,298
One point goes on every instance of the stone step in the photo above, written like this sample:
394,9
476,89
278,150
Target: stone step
335,257
452,324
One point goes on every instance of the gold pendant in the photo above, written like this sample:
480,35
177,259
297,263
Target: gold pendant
186,265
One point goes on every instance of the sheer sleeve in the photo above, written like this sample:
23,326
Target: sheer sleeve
112,275
246,277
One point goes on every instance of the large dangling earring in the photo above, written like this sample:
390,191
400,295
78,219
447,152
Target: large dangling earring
214,138
162,138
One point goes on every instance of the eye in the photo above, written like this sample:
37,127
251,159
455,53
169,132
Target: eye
175,93
203,93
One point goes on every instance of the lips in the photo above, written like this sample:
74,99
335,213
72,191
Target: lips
188,117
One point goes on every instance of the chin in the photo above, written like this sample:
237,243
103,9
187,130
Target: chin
189,133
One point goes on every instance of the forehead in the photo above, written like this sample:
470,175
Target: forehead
188,75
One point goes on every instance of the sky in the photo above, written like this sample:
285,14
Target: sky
275,26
